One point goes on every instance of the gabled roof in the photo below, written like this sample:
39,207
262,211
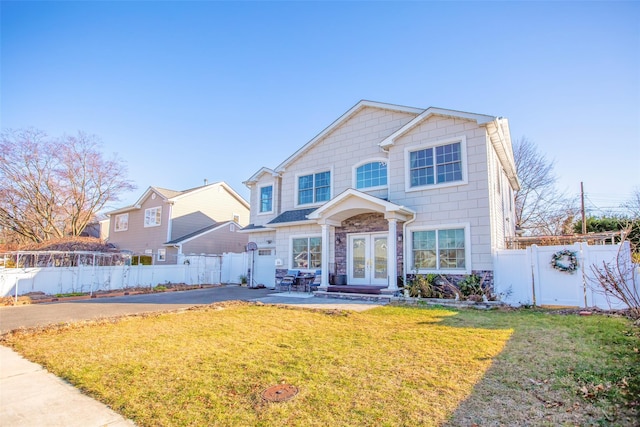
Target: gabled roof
256,176
200,233
481,119
346,116
497,128
353,202
173,195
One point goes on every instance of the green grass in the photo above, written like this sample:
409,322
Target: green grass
387,366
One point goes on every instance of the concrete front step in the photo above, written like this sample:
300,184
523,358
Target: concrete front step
382,298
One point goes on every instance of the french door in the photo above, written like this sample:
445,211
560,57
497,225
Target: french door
367,259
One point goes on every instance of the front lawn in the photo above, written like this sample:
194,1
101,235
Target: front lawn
395,366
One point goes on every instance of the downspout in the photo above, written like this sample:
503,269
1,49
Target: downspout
404,248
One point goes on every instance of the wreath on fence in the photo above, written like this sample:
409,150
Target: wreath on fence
565,261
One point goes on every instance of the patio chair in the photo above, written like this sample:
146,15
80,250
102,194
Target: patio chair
289,279
317,280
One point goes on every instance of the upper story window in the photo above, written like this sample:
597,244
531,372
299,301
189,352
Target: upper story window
122,222
266,199
314,188
436,165
152,216
370,175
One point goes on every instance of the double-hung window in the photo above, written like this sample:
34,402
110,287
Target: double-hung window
121,222
306,252
314,188
443,249
266,199
371,175
435,165
152,216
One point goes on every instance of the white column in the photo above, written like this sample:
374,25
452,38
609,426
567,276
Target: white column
324,282
392,256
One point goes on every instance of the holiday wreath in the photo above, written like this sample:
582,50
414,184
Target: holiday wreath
565,260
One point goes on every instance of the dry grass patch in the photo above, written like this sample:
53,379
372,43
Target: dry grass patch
387,366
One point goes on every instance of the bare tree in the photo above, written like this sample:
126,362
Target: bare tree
618,279
633,204
540,209
51,188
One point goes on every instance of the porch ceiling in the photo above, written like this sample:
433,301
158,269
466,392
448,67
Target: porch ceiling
353,202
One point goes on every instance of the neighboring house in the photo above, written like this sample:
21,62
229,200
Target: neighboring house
387,191
166,223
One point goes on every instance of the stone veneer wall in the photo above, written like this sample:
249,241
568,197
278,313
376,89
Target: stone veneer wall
363,223
487,275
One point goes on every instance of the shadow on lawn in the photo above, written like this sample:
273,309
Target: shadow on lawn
546,376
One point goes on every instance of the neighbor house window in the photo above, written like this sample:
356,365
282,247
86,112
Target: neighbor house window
434,165
372,174
266,199
152,217
162,255
122,222
307,252
439,249
314,188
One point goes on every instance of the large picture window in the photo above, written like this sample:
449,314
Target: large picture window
439,164
152,217
266,199
122,222
439,249
307,252
371,175
314,188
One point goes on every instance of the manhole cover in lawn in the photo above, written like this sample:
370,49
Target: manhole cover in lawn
279,393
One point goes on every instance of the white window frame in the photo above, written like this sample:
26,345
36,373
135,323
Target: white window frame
117,225
366,162
148,215
162,255
314,203
467,249
463,156
261,212
303,236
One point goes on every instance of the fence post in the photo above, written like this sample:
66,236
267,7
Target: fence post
532,253
583,250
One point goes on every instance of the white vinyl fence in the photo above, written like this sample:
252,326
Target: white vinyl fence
192,270
527,277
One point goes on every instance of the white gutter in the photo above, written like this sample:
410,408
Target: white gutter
404,248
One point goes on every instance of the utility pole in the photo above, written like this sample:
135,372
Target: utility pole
584,218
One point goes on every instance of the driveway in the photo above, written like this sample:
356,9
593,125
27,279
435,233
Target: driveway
34,315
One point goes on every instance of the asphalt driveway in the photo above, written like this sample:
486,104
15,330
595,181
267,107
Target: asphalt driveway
43,314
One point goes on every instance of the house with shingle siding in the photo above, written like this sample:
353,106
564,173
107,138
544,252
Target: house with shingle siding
386,191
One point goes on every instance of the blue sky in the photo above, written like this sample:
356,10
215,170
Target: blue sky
191,90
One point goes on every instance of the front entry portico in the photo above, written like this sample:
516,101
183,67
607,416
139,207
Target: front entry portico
371,257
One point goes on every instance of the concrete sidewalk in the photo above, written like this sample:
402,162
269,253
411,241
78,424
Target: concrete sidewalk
31,396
